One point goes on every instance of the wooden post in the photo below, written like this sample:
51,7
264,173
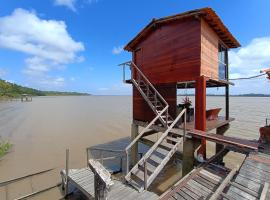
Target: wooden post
227,105
220,131
134,149
200,110
102,179
67,171
189,147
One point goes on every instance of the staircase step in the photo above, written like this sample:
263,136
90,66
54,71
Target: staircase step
139,173
138,186
156,159
162,151
166,144
173,139
151,168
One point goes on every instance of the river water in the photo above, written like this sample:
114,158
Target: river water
41,130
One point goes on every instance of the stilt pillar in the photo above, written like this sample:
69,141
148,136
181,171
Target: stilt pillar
134,148
189,147
200,110
220,131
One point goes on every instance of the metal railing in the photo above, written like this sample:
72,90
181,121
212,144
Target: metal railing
153,148
102,158
137,77
139,136
164,135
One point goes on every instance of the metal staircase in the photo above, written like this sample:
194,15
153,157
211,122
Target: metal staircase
150,165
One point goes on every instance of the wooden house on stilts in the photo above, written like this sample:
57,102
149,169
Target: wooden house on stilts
183,51
188,50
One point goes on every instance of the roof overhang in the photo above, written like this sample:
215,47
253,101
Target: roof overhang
207,14
209,83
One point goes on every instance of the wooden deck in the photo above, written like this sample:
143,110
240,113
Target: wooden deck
199,184
250,182
242,144
83,180
211,124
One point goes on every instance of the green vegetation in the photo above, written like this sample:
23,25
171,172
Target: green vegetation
12,90
4,148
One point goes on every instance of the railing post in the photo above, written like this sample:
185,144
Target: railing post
156,100
67,171
87,156
185,123
132,71
127,167
145,174
167,113
124,73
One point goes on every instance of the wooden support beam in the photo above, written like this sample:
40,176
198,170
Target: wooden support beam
223,185
189,147
134,148
264,191
102,179
200,110
221,131
227,95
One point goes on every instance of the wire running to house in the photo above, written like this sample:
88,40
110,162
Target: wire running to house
245,78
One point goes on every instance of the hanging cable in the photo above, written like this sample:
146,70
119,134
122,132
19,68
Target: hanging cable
245,78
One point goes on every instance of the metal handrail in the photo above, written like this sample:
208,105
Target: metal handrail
152,149
141,134
132,64
164,135
102,150
149,83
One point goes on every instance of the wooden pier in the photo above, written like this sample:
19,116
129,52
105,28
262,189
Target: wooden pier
83,179
250,182
187,50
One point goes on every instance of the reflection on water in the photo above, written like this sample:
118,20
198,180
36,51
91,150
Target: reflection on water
41,130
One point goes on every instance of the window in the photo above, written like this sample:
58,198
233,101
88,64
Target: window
222,62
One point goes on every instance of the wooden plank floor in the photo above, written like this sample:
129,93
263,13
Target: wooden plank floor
250,181
197,185
83,179
247,184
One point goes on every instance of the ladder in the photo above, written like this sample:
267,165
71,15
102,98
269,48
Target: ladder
150,165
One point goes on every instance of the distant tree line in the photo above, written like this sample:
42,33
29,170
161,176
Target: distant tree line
12,90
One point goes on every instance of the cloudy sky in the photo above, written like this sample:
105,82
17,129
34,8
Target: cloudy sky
76,45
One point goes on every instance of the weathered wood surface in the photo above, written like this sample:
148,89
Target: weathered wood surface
83,179
211,124
252,181
198,184
226,140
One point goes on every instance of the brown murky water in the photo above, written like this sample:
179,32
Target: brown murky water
41,130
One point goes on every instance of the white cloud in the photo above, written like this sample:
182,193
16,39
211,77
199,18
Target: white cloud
68,3
46,42
249,60
118,50
51,82
103,89
3,72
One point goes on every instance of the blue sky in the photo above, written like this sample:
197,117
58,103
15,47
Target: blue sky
76,45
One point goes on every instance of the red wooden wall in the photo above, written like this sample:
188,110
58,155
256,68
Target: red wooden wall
142,111
179,51
171,52
209,51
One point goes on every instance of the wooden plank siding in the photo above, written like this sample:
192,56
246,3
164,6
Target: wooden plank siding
171,53
209,51
179,51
